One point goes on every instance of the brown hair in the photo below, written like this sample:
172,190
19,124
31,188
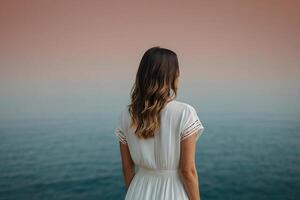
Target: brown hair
155,80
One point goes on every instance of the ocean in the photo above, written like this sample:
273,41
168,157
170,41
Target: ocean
239,157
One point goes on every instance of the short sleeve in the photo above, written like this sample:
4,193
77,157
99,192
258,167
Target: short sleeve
120,129
190,124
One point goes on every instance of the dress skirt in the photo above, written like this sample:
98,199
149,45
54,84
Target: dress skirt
158,184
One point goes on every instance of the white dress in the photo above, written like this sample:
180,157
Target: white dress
157,158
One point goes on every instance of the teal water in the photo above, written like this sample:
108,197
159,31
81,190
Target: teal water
238,157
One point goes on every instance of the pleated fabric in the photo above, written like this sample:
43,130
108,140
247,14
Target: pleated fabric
157,159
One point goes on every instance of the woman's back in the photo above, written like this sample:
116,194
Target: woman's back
158,158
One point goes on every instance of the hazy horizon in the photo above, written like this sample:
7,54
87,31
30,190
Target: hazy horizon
64,58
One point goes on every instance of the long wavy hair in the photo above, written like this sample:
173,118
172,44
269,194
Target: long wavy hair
155,85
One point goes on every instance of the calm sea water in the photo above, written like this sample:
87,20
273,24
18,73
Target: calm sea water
238,157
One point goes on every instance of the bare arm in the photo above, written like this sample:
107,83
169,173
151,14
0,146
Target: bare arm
127,164
188,169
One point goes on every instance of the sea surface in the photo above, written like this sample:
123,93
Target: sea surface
239,157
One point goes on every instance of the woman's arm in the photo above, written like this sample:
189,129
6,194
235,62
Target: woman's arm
127,164
188,169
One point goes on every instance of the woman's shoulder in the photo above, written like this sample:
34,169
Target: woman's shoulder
180,105
125,111
179,108
175,105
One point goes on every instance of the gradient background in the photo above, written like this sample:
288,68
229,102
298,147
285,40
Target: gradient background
74,59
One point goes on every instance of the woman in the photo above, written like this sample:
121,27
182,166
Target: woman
158,134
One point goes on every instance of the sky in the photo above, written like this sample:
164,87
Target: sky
62,58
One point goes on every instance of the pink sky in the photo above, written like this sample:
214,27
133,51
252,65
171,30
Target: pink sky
54,51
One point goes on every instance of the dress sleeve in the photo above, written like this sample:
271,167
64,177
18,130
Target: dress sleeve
120,129
191,124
